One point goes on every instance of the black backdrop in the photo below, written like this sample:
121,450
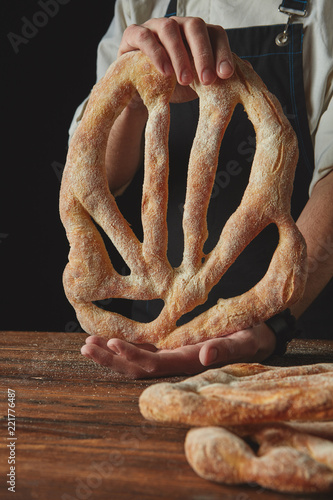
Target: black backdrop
48,68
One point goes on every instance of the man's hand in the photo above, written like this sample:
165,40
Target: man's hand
145,361
169,42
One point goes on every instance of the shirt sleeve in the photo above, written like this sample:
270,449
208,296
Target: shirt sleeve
323,143
318,79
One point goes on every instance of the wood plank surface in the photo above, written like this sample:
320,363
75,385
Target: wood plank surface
80,435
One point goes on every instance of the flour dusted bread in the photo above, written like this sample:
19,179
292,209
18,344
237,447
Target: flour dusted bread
254,424
85,199
281,457
243,394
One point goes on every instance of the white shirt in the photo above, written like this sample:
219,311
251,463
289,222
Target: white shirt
317,52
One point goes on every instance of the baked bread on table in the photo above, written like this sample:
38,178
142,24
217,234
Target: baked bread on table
254,424
275,456
243,393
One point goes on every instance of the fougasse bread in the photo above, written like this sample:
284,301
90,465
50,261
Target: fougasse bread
242,394
278,457
86,201
253,424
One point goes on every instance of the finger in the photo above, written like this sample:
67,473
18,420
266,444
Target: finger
98,341
106,357
184,360
236,347
134,354
222,52
147,347
97,353
170,35
196,34
142,38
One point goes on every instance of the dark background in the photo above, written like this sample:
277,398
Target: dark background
44,77
44,80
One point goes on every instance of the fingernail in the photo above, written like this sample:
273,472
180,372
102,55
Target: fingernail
226,69
212,355
113,348
207,76
186,76
85,354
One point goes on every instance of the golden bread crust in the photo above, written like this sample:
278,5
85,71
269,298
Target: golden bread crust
254,424
243,394
90,276
286,460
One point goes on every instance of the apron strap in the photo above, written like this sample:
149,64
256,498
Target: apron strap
172,9
295,7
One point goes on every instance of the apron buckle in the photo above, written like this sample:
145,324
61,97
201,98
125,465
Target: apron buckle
282,38
295,12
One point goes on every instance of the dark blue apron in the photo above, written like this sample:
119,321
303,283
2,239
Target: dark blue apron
280,67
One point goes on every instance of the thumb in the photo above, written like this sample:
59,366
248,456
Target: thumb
238,346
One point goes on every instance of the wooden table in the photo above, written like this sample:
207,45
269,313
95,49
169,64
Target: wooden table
80,435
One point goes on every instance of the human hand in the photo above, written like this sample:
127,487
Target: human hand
168,43
145,361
